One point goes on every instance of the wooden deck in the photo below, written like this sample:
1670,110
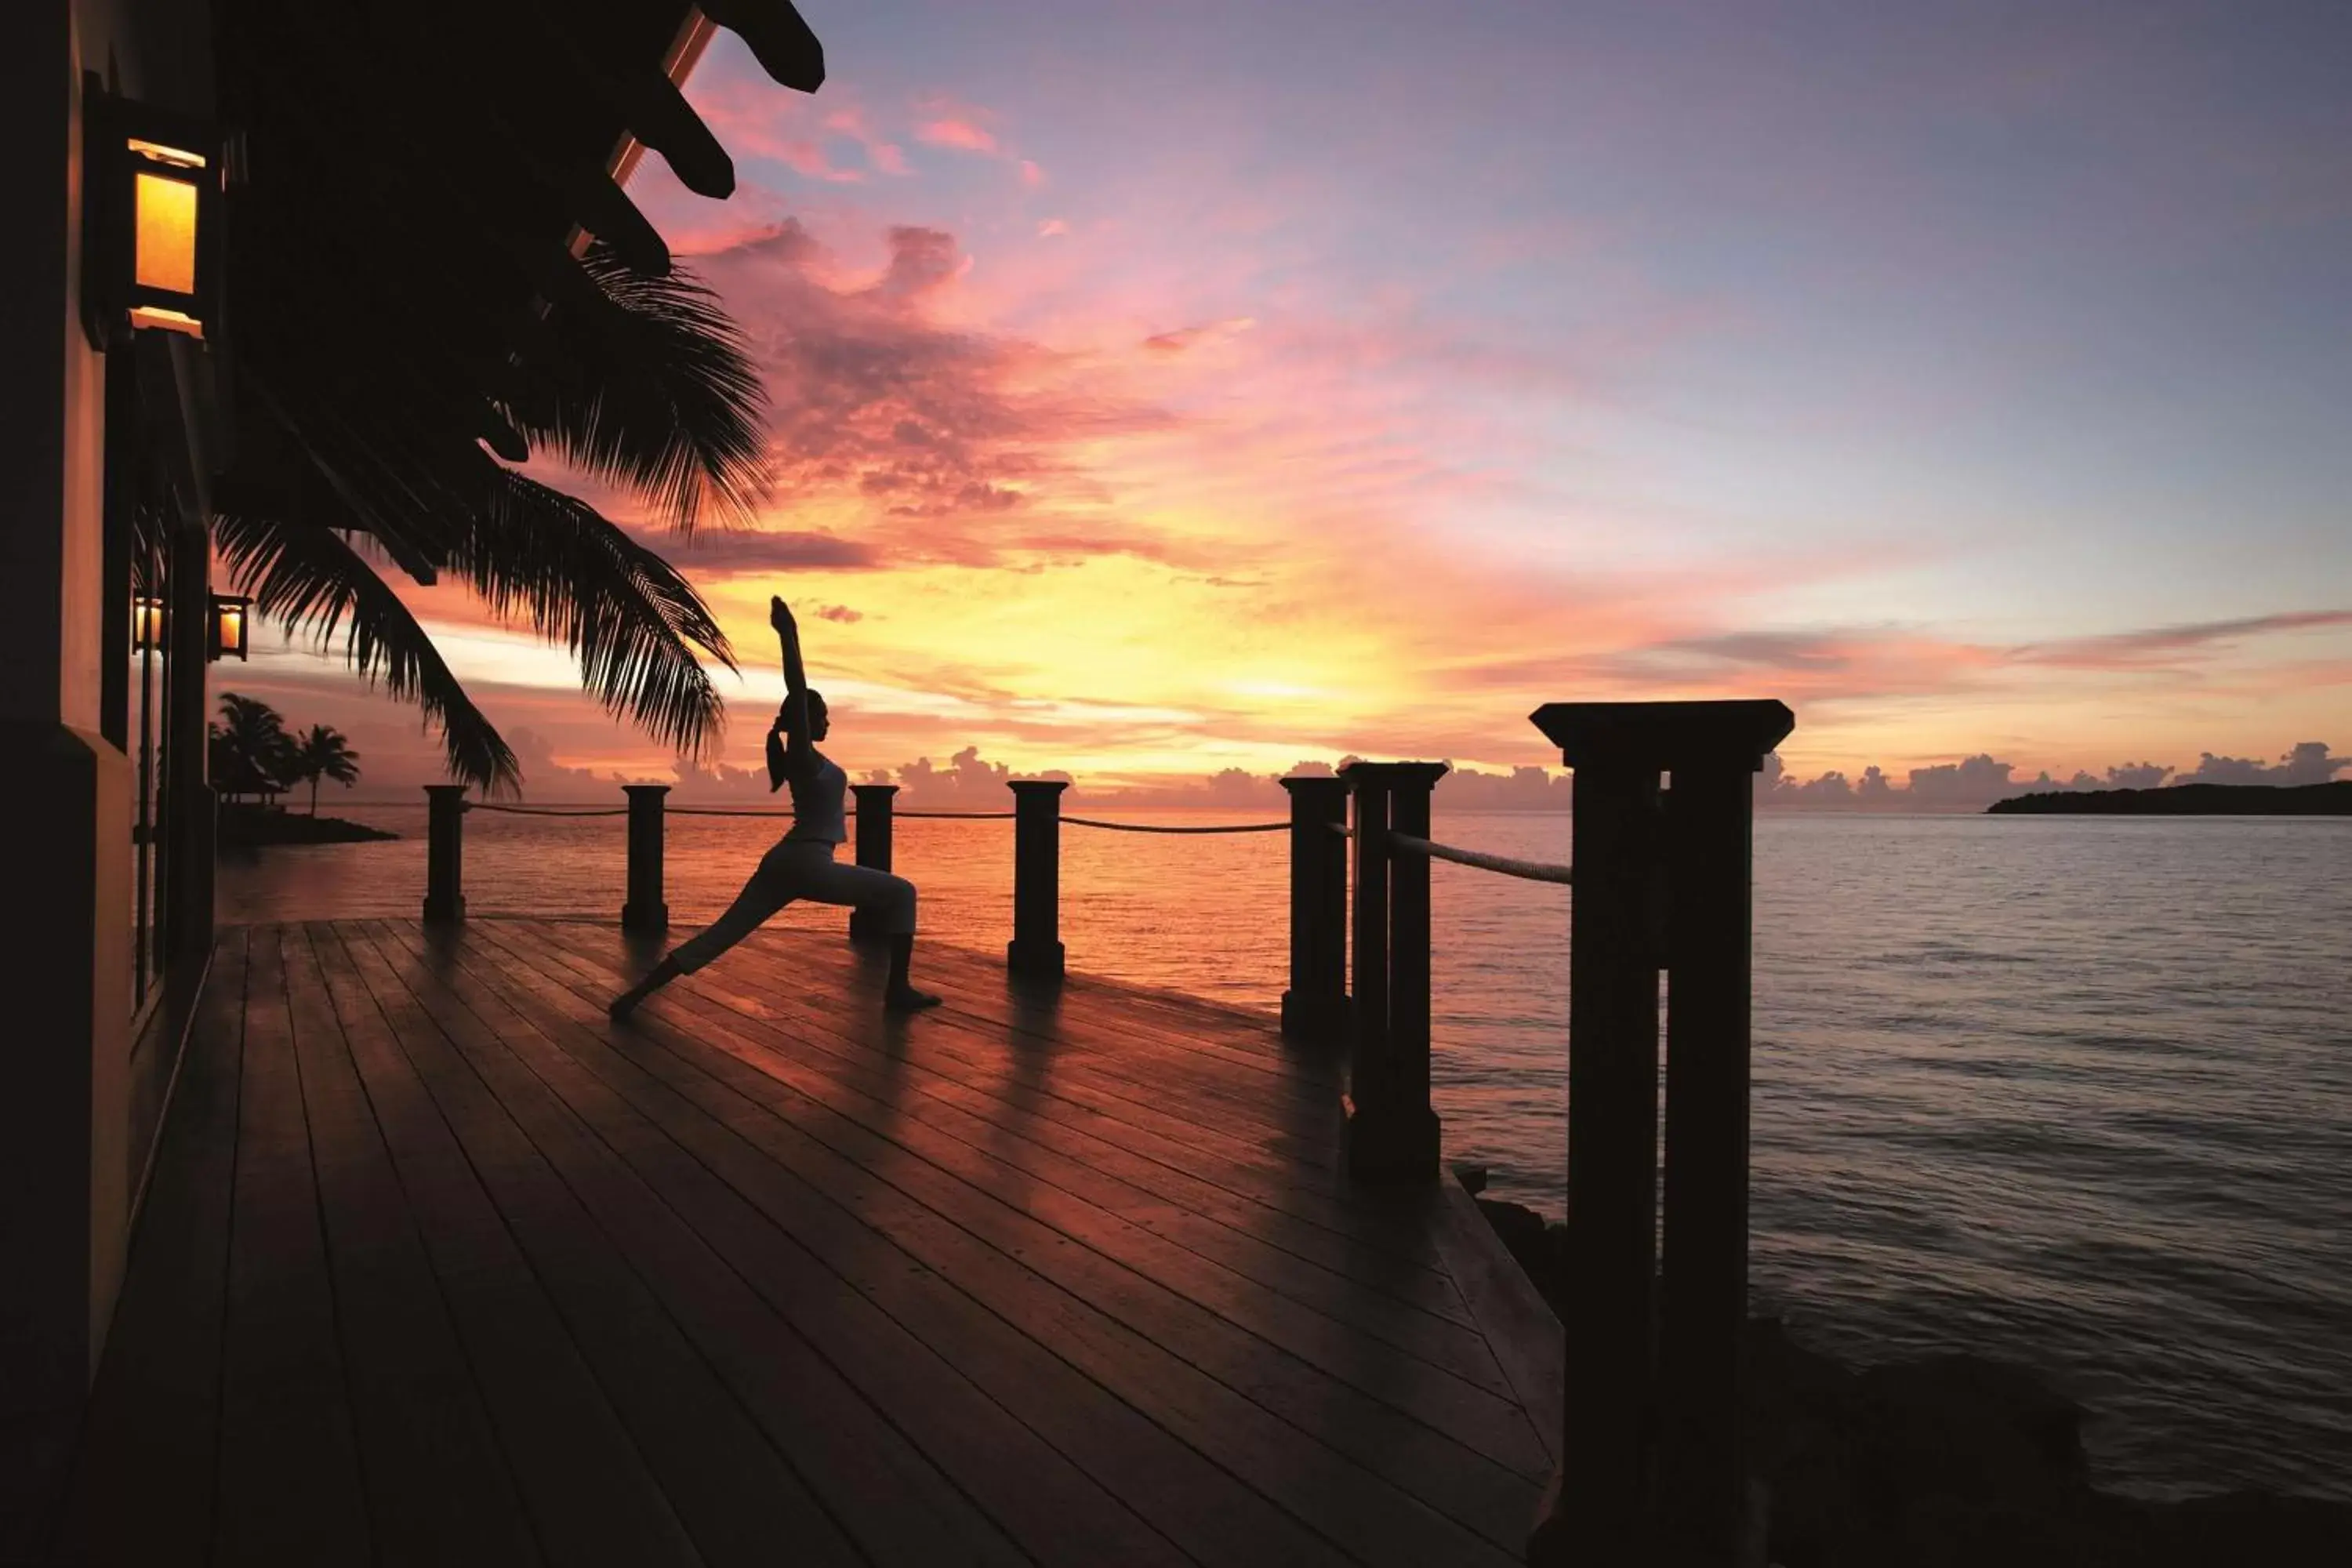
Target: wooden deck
441,1266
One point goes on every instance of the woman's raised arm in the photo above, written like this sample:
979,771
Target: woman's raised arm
787,760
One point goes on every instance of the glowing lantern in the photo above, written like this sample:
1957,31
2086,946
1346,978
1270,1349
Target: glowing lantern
146,624
153,192
232,620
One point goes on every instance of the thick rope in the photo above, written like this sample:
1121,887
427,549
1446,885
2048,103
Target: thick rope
1150,828
546,810
1530,870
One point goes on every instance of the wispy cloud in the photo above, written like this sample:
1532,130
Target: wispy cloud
2159,646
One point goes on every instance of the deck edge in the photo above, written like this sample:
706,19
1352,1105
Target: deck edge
1519,1326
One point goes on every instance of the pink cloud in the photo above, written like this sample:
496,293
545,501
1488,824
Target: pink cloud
1052,226
1184,338
958,133
1031,175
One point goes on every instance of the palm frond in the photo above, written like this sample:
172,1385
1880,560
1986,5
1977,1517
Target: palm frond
630,620
656,392
304,576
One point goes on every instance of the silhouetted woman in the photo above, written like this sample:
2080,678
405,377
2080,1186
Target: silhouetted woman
801,864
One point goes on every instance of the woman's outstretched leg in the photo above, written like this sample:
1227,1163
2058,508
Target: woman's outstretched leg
768,890
661,974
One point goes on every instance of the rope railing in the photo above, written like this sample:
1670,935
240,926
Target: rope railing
755,811
1166,828
1529,870
1503,865
546,810
900,815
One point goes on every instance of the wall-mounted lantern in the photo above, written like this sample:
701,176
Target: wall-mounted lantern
150,244
146,624
232,621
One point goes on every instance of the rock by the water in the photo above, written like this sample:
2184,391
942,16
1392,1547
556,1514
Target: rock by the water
246,827
1952,1461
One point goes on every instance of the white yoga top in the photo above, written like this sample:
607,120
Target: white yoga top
819,804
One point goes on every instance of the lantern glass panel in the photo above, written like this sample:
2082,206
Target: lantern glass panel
146,623
166,241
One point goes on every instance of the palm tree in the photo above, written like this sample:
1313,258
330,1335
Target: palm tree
676,414
325,754
251,753
403,295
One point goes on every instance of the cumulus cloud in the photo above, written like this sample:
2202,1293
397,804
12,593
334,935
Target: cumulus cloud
2309,762
968,783
1977,781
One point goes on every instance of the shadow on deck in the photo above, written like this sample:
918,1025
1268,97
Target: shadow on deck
439,1266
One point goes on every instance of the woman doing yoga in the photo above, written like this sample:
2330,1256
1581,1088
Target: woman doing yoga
801,866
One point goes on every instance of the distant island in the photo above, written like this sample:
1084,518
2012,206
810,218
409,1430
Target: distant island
246,827
2185,800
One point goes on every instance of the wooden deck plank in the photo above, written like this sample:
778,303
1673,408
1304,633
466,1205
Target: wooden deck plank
437,1486
921,1091
973,1238
670,1456
1284,1114
1378,1523
1088,1018
800,1248
1158,1238
761,985
898,1507
290,1490
1059,1276
153,1425
588,1490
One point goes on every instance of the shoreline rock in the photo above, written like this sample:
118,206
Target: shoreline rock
250,828
1946,1461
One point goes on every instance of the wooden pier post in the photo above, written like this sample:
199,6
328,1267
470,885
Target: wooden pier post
1653,1468
873,847
444,853
1393,1130
1315,1008
1035,950
645,913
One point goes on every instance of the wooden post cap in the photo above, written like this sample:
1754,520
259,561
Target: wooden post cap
1661,734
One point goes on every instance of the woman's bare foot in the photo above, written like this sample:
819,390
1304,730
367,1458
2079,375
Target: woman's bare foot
902,998
623,1005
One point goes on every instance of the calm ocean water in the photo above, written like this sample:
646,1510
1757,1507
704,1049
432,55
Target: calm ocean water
2072,1091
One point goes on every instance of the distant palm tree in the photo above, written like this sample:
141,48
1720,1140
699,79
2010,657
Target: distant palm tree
324,753
251,753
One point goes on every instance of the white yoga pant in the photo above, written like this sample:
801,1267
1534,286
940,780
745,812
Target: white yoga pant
801,869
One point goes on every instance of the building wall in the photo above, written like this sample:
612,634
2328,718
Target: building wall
68,1159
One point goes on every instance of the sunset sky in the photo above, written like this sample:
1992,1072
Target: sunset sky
1168,388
